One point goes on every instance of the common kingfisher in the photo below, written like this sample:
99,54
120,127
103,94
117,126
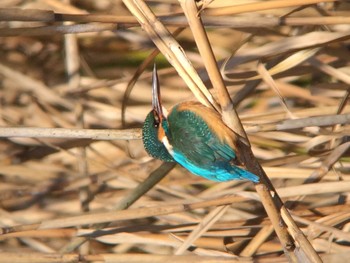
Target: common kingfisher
194,136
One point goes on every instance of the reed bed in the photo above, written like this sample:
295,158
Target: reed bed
76,183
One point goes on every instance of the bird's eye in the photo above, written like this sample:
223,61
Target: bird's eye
156,121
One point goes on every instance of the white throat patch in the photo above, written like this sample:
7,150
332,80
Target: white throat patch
167,145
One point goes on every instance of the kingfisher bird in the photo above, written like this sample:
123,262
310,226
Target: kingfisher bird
194,136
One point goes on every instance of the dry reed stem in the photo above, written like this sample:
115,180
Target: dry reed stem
93,134
136,258
290,124
78,16
287,45
259,6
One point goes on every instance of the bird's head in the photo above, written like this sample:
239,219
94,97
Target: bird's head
155,126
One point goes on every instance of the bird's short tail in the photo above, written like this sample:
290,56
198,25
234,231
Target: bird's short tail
244,174
229,172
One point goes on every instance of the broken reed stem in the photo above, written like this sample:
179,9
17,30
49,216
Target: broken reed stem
273,204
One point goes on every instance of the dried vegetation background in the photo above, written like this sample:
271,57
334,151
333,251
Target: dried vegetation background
287,69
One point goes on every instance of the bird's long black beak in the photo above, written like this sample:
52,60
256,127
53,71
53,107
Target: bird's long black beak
156,99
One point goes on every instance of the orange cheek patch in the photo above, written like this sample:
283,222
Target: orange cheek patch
161,133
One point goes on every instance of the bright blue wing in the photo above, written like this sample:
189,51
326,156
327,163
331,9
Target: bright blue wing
198,149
